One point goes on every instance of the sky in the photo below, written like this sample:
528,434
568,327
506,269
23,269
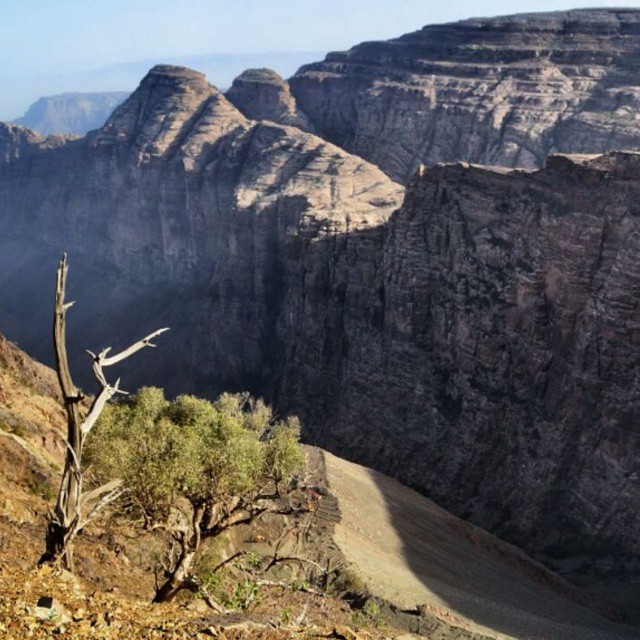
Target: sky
50,46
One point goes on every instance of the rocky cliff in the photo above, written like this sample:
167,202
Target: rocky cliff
71,113
483,346
179,211
505,91
16,141
480,343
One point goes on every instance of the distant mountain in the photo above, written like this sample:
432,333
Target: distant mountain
71,112
220,69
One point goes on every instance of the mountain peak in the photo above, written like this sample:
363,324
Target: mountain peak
166,108
262,94
175,73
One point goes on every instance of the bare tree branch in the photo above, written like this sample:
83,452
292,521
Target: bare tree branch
67,520
88,497
226,561
125,353
106,393
285,585
101,504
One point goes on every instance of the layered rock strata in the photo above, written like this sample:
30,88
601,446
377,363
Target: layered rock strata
505,91
483,347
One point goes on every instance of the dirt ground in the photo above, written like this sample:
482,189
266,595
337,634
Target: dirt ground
411,552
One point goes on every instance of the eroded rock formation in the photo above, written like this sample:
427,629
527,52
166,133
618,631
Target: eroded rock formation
261,94
179,211
505,91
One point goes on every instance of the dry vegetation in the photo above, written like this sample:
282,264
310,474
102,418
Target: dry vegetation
116,563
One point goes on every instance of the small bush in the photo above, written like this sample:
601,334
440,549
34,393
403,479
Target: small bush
40,487
348,583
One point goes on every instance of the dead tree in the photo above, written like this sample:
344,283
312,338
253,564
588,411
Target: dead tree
74,508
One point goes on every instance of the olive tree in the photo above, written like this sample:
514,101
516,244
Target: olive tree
196,468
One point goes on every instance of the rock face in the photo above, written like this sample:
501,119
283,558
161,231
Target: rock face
261,94
480,344
505,91
16,141
178,212
71,113
483,347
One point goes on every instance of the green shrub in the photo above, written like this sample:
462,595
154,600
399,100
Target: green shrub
192,454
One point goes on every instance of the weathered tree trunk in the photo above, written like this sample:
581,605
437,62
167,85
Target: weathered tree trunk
178,578
181,572
66,510
66,520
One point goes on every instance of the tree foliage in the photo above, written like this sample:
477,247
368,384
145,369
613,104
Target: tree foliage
221,460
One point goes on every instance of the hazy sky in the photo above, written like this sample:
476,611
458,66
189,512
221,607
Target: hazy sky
47,45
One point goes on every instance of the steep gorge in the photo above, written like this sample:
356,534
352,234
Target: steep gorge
479,343
482,346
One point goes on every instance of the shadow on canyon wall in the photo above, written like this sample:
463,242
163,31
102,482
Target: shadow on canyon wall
343,330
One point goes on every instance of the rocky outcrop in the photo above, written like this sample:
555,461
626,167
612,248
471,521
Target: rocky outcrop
71,113
483,347
16,142
182,212
261,94
505,91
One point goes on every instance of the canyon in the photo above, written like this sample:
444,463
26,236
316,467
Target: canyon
475,336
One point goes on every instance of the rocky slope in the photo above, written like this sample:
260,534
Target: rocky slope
410,551
505,91
262,94
401,550
74,113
